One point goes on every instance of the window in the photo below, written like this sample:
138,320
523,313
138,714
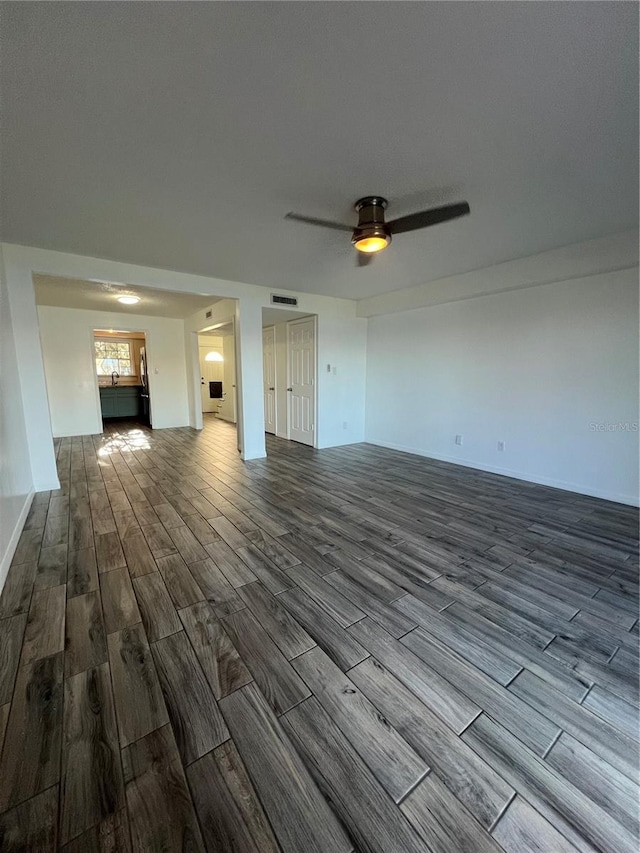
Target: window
113,356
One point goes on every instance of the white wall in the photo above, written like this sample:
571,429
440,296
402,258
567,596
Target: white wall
66,335
19,265
16,483
341,395
535,368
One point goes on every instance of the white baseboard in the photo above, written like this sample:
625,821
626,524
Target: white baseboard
577,488
13,541
180,425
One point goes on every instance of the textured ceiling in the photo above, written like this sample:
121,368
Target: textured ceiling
178,135
102,296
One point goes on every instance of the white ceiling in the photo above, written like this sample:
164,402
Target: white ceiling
102,296
178,135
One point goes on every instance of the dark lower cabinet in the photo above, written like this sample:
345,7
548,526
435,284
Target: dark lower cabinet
121,401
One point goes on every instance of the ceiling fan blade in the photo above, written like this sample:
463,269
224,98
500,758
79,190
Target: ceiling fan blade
323,223
363,259
428,217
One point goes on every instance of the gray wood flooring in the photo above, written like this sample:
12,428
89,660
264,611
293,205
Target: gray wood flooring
336,650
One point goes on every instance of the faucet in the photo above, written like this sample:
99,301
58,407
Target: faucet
114,377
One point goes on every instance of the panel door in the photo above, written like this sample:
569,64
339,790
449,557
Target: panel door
302,380
269,377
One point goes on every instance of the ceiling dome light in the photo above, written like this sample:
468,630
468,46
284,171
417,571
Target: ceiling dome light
213,356
129,300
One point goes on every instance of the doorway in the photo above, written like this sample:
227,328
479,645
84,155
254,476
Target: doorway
211,360
216,358
122,376
289,374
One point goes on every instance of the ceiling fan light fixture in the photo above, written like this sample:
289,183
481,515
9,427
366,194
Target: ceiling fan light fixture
371,243
371,234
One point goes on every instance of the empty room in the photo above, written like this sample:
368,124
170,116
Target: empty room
319,453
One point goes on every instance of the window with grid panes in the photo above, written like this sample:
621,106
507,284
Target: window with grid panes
113,355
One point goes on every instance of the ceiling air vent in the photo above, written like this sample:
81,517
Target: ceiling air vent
209,314
283,300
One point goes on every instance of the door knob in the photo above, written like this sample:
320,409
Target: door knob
289,389
271,388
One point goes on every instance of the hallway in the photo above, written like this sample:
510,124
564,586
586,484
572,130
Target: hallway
335,650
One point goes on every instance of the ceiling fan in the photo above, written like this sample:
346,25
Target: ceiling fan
372,234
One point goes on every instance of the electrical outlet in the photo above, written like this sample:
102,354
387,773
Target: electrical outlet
328,368
344,424
459,440
335,371
501,446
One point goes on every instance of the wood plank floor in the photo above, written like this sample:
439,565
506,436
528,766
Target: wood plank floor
336,650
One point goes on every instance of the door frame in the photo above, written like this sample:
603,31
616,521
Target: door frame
196,375
147,336
272,328
203,383
299,320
